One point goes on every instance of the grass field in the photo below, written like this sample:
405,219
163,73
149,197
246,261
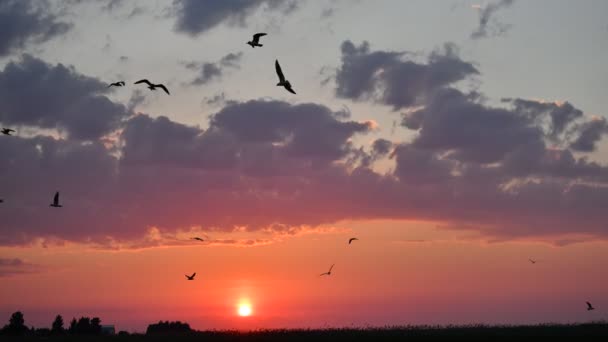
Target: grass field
404,333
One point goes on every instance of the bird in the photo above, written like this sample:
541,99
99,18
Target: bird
7,131
190,277
589,306
532,261
256,40
117,84
328,272
198,238
55,203
282,81
351,240
153,86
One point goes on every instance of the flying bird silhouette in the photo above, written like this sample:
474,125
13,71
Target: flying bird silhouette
352,239
256,40
55,203
198,238
282,81
7,131
190,277
117,84
152,86
328,272
589,306
532,261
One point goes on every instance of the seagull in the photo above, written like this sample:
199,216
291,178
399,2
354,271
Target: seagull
198,238
7,131
351,240
256,40
282,81
117,84
532,261
55,203
190,277
328,272
153,86
589,306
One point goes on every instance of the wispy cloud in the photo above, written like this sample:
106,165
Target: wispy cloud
488,24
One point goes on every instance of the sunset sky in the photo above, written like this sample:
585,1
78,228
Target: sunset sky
456,139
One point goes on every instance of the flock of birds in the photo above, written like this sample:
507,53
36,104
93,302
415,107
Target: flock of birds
283,82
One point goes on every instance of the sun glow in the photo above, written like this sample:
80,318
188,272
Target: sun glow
244,310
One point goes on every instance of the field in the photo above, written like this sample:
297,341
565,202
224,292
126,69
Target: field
406,333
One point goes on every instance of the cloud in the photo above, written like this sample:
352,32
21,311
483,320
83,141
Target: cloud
159,165
389,78
511,170
25,22
197,16
11,267
590,133
36,94
214,71
486,14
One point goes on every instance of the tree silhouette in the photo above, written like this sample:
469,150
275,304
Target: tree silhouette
95,327
83,326
57,327
73,324
16,325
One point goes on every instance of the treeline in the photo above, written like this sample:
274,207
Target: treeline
82,326
168,328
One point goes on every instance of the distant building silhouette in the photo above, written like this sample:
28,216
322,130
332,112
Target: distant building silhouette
108,330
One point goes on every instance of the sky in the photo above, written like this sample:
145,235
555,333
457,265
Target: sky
455,139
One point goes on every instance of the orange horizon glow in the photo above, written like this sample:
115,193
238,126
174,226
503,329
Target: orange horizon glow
397,273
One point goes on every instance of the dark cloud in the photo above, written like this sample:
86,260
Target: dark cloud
560,115
197,16
27,21
590,133
305,130
488,27
389,78
212,71
9,267
34,93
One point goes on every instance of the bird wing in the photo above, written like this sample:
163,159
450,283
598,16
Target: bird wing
290,89
162,86
589,305
256,37
332,266
143,81
56,198
193,274
279,71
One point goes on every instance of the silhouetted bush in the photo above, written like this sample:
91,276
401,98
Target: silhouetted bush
168,328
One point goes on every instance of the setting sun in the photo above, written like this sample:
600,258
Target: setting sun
244,310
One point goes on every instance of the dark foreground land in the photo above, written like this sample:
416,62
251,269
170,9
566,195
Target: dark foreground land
415,333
